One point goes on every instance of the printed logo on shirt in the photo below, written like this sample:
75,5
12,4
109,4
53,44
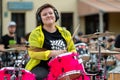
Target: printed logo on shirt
12,42
57,44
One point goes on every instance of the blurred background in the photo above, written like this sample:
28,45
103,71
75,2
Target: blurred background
92,15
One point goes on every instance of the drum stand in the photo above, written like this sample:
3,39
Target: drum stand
13,76
99,74
99,59
19,74
105,68
7,62
102,72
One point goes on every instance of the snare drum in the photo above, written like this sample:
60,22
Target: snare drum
82,49
114,74
66,66
110,61
7,72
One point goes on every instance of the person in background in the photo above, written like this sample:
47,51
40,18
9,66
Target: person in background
10,39
117,46
79,38
82,39
117,43
110,43
46,41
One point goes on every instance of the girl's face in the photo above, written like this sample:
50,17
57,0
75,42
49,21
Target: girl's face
47,16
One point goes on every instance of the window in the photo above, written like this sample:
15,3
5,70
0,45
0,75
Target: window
92,23
67,21
19,18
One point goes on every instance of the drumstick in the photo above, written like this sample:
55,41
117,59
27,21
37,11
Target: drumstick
8,50
14,49
73,36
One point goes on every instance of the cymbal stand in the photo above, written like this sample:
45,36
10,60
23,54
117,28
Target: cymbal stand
105,70
99,76
19,73
5,78
13,76
102,72
20,66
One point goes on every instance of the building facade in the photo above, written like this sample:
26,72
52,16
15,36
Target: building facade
99,15
23,12
92,15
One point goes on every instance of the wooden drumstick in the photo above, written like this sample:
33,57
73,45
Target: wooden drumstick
73,36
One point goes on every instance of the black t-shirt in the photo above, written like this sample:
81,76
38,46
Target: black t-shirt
53,41
117,41
7,40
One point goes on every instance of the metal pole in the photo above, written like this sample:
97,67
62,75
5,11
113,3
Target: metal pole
101,22
0,18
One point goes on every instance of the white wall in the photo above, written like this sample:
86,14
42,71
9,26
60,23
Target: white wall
61,5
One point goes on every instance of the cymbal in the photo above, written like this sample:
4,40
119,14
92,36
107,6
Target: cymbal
17,45
10,50
98,34
87,36
105,52
17,49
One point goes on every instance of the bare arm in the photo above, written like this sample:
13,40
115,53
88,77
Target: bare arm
2,48
44,54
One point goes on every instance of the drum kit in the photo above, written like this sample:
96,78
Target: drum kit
95,58
13,73
86,64
13,61
13,54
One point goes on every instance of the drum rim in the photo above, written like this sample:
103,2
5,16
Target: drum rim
69,73
64,54
61,55
12,68
79,44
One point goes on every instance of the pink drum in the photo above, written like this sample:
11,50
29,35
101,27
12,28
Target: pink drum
7,72
66,67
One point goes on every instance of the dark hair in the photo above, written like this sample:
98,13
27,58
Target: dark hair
39,10
80,33
110,40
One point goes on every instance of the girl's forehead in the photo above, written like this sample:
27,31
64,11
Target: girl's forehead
47,10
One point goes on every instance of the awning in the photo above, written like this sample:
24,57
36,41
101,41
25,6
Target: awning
88,7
